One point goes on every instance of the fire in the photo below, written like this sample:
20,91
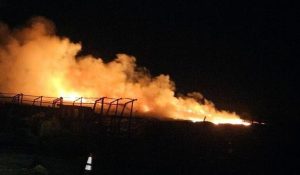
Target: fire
145,108
71,96
34,60
218,121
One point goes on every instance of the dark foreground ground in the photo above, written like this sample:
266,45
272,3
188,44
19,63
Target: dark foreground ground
37,144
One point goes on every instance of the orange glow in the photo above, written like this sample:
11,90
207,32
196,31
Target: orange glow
33,60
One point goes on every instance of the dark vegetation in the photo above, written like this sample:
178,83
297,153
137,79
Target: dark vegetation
42,140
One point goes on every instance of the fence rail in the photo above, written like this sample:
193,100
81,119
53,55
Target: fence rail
101,105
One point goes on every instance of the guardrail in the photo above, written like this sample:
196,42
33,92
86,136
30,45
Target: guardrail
102,105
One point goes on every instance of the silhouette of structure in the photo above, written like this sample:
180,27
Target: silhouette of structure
116,113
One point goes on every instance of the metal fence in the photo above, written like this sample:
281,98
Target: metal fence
102,105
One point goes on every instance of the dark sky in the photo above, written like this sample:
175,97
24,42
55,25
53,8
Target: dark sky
239,54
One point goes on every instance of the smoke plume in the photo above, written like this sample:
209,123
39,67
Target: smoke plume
34,60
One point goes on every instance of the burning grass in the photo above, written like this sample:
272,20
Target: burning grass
34,60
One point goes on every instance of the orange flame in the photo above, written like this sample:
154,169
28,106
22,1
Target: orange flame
34,60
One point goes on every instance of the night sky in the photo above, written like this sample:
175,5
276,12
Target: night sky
241,55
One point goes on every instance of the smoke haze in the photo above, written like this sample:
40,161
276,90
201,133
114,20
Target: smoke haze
34,60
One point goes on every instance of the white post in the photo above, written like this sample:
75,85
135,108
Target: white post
88,166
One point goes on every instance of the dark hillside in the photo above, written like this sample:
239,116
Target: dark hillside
33,136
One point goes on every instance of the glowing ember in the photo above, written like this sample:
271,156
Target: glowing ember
33,60
223,121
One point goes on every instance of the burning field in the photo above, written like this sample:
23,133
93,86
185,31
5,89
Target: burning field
34,60
51,95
